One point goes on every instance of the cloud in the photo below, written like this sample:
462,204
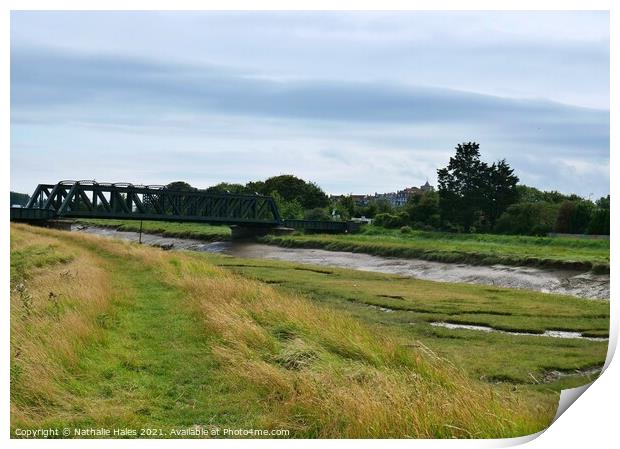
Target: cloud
54,81
559,55
356,102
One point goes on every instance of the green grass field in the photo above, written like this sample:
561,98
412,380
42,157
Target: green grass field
197,231
111,334
481,249
413,304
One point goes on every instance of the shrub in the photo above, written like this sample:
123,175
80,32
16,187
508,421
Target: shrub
599,224
288,209
574,217
317,214
424,209
536,218
391,220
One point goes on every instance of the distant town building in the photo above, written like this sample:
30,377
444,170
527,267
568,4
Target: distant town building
427,187
395,199
361,200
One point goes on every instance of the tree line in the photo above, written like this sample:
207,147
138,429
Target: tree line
19,199
474,196
295,198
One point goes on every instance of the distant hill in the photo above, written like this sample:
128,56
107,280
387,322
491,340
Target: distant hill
19,198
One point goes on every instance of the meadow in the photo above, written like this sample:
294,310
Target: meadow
478,249
110,333
529,362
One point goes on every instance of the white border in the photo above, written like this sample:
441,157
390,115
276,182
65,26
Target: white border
590,422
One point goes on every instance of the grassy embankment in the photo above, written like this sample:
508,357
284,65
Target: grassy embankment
479,249
197,231
410,305
108,333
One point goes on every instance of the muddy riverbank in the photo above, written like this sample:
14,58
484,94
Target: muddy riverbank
567,282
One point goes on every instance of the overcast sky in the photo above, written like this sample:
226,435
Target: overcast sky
356,102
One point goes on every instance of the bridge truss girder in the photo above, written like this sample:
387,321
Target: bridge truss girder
89,199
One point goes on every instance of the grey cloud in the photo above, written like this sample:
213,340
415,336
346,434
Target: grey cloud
44,81
186,117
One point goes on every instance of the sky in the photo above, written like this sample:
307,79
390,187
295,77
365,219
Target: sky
358,102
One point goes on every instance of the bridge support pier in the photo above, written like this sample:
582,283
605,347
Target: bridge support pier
249,232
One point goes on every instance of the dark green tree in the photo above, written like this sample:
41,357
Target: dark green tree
391,220
318,213
424,209
574,217
368,211
383,206
532,218
225,187
292,188
600,222
529,194
472,193
501,190
153,203
287,209
460,186
19,199
179,185
346,206
257,187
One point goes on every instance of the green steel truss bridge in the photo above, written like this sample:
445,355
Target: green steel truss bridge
90,199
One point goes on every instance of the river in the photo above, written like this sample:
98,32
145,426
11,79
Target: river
567,282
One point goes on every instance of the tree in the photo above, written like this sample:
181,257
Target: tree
292,188
318,213
287,209
604,202
257,187
154,203
225,187
460,185
346,206
529,194
472,192
383,206
19,199
369,211
179,185
574,217
600,222
391,220
532,218
501,190
424,209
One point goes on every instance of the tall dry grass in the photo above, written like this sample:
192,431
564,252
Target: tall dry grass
318,371
46,340
325,374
